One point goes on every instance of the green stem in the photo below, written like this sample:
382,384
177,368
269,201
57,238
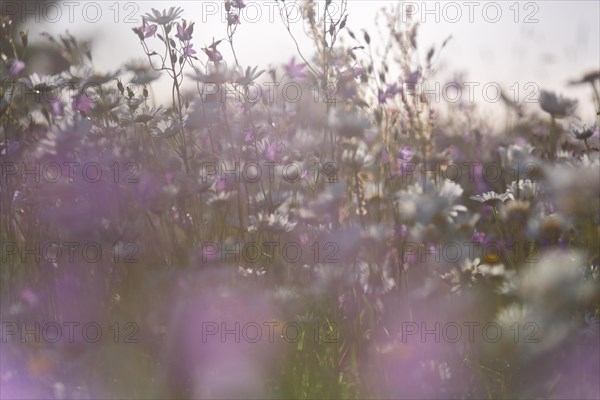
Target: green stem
502,237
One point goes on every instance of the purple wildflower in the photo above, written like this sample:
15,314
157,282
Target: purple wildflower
81,103
213,54
248,135
146,30
188,50
405,153
294,70
238,3
232,19
271,151
184,32
412,78
16,67
381,97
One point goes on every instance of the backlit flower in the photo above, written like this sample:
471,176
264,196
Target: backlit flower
491,198
557,106
16,67
184,32
146,30
188,50
165,17
294,70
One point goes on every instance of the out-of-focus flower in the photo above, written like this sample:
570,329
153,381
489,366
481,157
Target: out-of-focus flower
148,114
184,32
589,77
492,198
375,279
357,155
557,106
524,190
272,151
391,91
165,17
295,71
275,222
381,97
429,203
585,132
405,153
82,102
16,67
412,78
350,123
39,84
142,73
555,283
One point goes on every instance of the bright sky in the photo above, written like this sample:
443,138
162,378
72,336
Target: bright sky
541,43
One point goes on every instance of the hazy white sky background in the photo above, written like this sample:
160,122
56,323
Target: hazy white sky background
560,42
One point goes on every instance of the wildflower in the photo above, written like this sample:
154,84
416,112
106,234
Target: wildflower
585,132
381,97
294,70
479,237
145,31
82,103
375,279
271,151
184,32
357,155
556,106
348,123
405,153
492,197
188,51
148,114
524,190
589,77
515,153
412,78
248,135
232,19
16,67
276,222
38,84
213,54
142,73
164,18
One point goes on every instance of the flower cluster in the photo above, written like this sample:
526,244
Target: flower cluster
220,208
